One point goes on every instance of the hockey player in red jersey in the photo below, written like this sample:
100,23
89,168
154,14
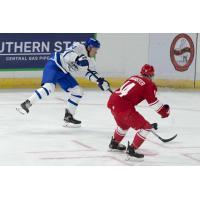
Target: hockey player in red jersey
122,105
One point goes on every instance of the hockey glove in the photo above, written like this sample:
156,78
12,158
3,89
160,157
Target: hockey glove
82,61
164,111
103,84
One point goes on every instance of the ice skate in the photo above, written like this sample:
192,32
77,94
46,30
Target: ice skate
70,121
116,146
24,107
132,154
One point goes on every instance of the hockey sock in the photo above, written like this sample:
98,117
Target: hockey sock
141,135
42,92
119,134
74,99
137,141
139,138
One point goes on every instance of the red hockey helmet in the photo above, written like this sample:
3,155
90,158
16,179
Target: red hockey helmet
147,70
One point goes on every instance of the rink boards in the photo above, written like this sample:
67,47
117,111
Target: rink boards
115,83
175,57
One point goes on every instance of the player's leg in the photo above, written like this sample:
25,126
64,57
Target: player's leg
118,136
127,119
76,93
48,86
69,84
124,115
142,127
141,136
41,93
120,131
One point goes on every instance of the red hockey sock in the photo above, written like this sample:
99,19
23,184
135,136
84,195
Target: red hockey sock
118,136
137,141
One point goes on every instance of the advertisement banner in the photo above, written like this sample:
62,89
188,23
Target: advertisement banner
32,50
173,55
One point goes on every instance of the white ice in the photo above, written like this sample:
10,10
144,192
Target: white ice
39,138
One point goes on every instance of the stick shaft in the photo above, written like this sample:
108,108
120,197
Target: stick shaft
110,90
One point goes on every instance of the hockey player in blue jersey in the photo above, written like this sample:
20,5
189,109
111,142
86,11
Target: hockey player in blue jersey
78,57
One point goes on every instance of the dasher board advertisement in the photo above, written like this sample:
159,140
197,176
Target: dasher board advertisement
32,50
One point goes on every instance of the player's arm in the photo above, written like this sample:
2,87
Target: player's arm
86,65
162,109
92,75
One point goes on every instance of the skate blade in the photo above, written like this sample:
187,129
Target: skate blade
133,159
21,111
69,125
116,150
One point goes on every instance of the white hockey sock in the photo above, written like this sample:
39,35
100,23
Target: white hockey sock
74,99
42,92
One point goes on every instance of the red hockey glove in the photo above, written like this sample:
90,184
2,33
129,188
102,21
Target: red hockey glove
164,111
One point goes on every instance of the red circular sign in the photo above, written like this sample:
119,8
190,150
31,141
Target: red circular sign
182,52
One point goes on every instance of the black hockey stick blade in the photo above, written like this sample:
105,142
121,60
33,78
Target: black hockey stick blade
162,139
167,140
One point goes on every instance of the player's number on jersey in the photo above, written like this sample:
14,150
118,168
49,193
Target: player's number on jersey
126,88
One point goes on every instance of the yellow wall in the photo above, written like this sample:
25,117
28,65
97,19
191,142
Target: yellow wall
115,82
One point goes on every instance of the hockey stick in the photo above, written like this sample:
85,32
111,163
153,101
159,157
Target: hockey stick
162,139
110,90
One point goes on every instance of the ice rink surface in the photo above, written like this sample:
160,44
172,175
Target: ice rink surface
39,138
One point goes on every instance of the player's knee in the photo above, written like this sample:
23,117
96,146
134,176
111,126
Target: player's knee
121,131
50,87
144,131
78,91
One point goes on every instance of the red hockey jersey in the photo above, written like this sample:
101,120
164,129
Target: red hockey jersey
135,90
